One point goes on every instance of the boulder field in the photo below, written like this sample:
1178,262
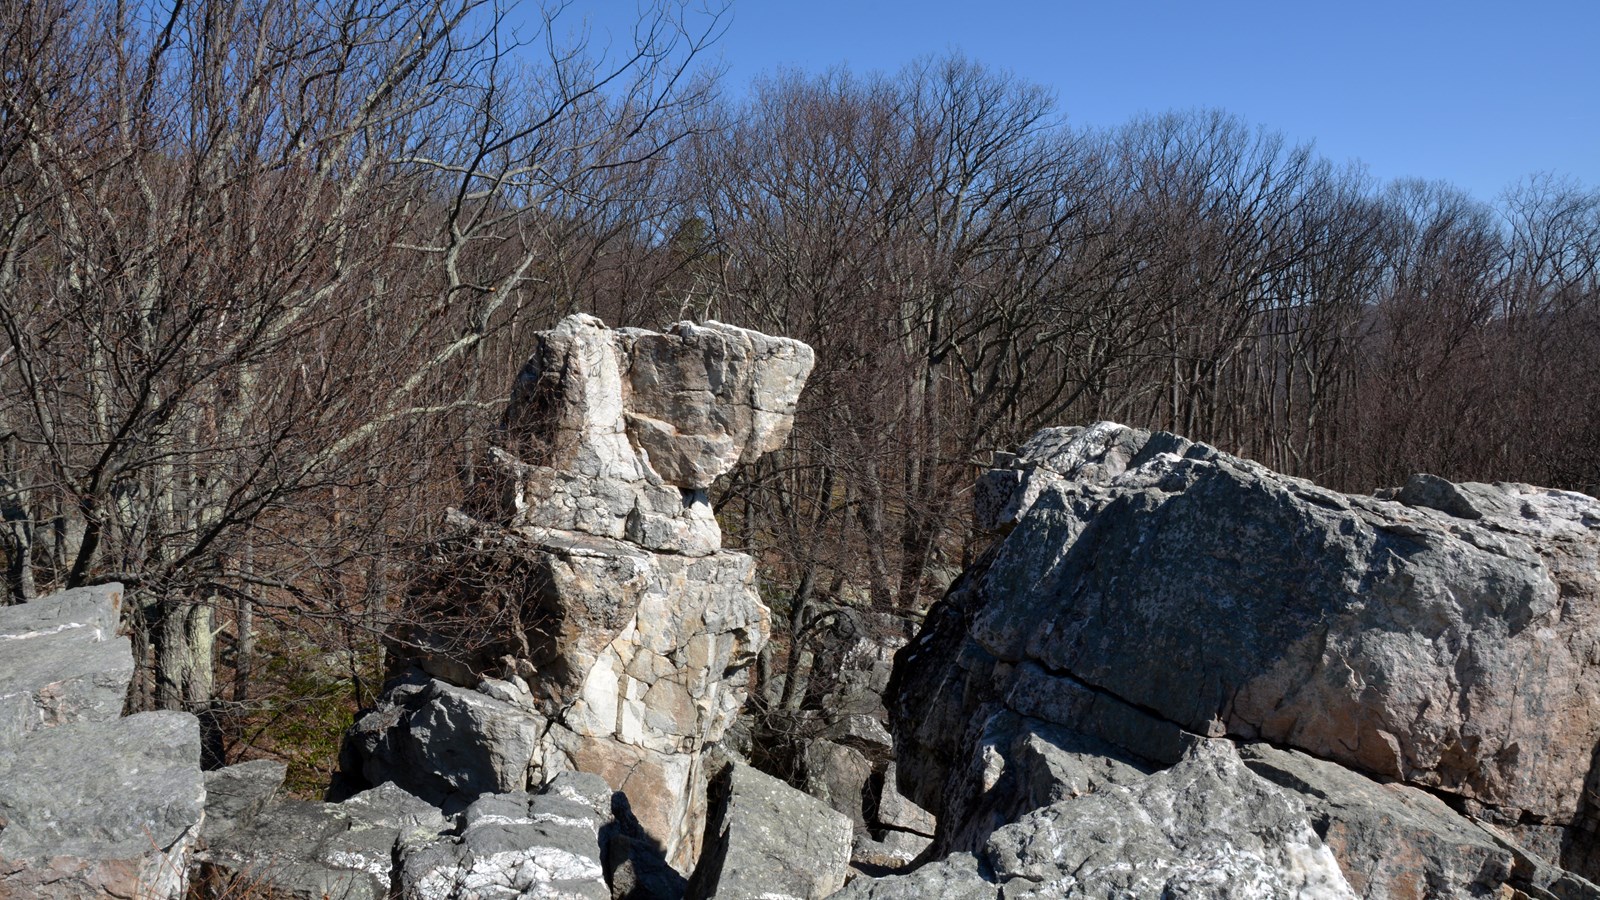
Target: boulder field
1174,673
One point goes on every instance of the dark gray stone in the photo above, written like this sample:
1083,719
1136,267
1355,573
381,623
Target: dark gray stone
446,744
101,808
64,661
767,841
236,795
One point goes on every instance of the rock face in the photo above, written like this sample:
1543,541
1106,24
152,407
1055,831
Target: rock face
768,841
618,433
64,661
91,804
1205,828
586,618
1150,591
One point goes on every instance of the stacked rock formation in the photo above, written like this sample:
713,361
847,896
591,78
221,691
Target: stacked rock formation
609,632
92,804
1417,674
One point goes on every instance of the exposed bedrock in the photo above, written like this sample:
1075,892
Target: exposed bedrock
585,616
92,804
1150,592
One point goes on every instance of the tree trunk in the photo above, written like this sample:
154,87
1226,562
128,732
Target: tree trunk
183,644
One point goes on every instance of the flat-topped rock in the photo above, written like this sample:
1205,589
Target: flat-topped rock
63,661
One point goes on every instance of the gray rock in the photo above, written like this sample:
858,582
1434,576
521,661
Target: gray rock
837,775
102,808
1019,765
446,744
1390,838
1205,828
236,795
310,851
956,877
898,812
1454,649
894,853
301,850
64,661
517,846
767,840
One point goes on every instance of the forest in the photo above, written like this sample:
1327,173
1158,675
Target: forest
269,267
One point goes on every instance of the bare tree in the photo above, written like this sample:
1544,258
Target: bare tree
256,254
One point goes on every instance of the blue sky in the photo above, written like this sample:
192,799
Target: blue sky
1474,93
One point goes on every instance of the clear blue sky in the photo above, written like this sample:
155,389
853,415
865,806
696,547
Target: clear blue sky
1471,92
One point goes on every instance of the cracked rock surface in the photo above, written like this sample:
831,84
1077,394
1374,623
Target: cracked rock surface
586,618
1150,592
92,804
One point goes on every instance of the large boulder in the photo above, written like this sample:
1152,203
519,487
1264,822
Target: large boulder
102,808
1205,828
1148,591
584,617
768,841
64,661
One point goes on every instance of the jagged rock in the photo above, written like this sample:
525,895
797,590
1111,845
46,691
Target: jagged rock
586,592
447,744
92,809
617,433
1205,828
64,661
519,846
235,795
310,851
767,841
1456,649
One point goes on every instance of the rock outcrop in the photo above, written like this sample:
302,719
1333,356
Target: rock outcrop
64,661
1205,828
92,804
1150,593
586,618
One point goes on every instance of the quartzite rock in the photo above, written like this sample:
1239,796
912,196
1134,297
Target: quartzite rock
520,846
1453,643
617,433
64,661
1205,828
621,633
767,841
102,809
